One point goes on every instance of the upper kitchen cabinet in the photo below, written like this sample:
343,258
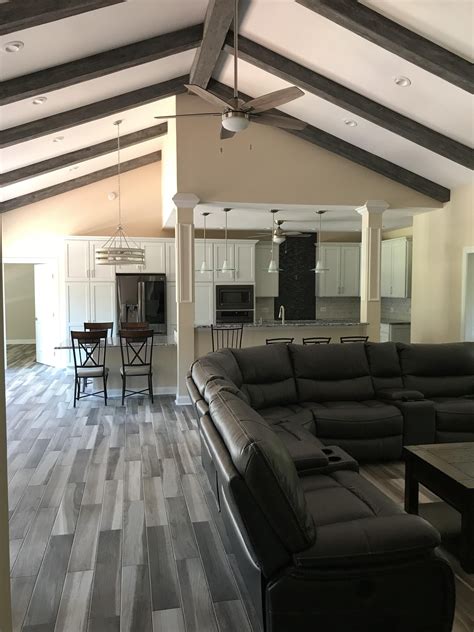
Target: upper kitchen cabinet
224,253
266,283
200,257
244,262
80,262
100,273
155,257
396,268
342,270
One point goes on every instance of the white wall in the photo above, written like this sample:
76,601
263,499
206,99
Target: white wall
19,284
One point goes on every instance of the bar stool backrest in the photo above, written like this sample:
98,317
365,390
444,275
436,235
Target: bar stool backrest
276,341
227,337
136,347
354,339
141,326
99,327
317,340
89,348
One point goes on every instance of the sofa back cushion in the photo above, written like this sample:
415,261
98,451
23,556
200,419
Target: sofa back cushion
219,364
331,372
267,375
438,370
267,469
384,365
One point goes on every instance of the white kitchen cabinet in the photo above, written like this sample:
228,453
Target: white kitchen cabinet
203,303
244,263
77,303
396,268
342,270
221,254
203,277
170,262
266,283
94,302
155,257
76,260
97,272
102,302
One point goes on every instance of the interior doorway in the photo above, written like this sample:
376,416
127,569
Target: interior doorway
467,308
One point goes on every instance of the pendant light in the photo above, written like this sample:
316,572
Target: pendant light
319,269
119,249
273,266
204,265
226,266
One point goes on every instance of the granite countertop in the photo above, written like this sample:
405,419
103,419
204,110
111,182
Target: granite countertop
158,341
394,321
297,323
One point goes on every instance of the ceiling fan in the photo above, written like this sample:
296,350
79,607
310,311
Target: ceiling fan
278,233
235,113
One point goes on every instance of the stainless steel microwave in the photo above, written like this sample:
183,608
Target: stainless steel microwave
234,297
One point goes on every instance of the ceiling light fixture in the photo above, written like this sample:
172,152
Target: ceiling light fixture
39,100
402,82
13,47
58,139
273,266
204,265
350,123
119,249
226,266
319,269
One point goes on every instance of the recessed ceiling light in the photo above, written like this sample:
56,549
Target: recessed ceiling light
402,81
58,139
39,100
13,47
350,122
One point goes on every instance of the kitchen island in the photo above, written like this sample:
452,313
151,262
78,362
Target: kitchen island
257,333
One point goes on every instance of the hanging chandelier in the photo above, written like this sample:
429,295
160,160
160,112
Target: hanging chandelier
319,269
119,249
226,266
204,265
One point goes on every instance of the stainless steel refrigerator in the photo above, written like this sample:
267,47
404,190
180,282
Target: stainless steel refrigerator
142,298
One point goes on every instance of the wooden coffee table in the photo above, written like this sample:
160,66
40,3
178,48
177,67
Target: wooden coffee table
446,469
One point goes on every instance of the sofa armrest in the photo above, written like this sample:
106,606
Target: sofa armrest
305,450
399,395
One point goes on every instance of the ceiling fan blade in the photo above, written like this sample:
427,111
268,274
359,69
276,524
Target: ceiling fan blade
277,121
207,96
190,114
225,134
273,99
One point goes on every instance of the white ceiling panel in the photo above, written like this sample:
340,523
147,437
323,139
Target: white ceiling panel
97,89
76,171
317,43
366,135
89,33
83,135
448,23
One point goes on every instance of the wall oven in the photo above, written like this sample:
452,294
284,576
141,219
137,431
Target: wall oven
234,297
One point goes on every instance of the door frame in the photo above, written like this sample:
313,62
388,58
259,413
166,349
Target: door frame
52,261
467,251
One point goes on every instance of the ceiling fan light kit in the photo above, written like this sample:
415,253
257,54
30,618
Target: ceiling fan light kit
235,121
119,249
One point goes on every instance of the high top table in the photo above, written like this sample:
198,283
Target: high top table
446,469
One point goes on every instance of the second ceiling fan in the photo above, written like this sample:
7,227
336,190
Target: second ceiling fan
235,113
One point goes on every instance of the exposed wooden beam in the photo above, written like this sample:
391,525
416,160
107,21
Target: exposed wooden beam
92,112
95,66
82,181
216,26
16,16
76,157
346,98
397,39
360,156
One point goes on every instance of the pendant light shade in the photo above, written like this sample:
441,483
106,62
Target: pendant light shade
119,249
226,265
319,269
205,265
273,266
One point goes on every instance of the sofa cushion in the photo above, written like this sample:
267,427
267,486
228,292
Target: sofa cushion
438,370
217,364
266,467
356,524
214,386
365,419
384,365
331,372
295,414
454,414
267,375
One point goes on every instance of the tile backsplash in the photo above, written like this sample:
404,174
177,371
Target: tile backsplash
338,308
396,309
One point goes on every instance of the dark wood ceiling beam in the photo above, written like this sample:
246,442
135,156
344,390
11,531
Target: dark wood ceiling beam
355,154
94,111
216,26
397,39
354,102
16,16
82,181
99,65
86,153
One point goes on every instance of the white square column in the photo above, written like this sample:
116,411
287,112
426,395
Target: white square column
370,265
184,252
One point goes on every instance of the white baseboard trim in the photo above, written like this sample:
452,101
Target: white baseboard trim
182,400
21,342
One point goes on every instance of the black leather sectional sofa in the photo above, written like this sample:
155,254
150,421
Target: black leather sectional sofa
281,427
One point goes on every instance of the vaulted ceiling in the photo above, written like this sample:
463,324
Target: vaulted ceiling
96,61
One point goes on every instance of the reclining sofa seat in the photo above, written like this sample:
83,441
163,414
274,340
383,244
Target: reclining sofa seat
324,548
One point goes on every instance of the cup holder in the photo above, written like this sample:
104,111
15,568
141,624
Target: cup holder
333,459
326,451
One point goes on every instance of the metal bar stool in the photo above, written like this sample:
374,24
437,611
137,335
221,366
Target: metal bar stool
276,341
227,337
136,326
97,327
317,340
136,348
354,339
89,360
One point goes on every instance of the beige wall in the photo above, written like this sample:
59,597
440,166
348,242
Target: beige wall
35,229
19,283
438,241
267,165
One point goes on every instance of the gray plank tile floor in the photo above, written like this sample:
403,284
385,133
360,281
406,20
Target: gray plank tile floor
113,524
